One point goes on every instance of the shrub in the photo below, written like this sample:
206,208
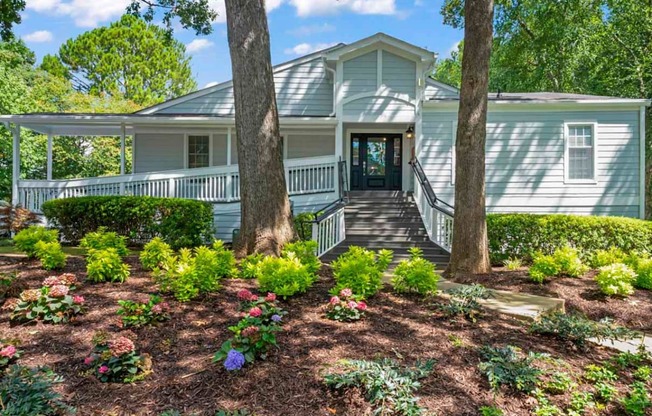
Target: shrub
643,373
285,276
508,366
155,253
345,307
597,374
464,301
116,360
26,239
106,266
637,401
415,275
303,225
14,218
608,257
179,222
644,274
306,252
361,270
255,334
569,262
559,383
138,314
542,268
616,280
513,264
218,261
577,329
103,239
29,391
388,386
52,303
522,235
249,266
8,354
50,254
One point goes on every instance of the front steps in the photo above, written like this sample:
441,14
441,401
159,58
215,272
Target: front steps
386,220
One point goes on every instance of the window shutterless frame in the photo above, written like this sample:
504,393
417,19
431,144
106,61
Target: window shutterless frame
571,131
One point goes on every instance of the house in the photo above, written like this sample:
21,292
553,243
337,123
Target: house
352,117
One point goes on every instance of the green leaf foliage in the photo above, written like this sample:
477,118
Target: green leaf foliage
50,254
507,366
30,391
103,239
464,301
637,402
616,280
179,222
155,253
543,267
360,270
27,239
607,257
106,266
249,266
137,314
415,275
285,276
306,253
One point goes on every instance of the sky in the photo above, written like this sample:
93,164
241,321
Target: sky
297,27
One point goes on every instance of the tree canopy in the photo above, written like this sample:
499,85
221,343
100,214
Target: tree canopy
9,16
130,58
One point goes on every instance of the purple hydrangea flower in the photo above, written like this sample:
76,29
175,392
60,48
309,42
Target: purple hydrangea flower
235,360
276,318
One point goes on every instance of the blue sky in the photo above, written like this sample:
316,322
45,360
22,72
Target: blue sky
297,27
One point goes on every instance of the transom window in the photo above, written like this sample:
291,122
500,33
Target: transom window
198,151
580,152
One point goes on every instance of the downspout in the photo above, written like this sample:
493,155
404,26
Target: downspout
332,71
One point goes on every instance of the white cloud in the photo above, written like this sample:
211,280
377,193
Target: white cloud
307,48
198,45
454,47
325,7
39,36
303,31
220,8
211,84
84,13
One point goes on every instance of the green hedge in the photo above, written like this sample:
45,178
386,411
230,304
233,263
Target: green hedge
521,235
180,222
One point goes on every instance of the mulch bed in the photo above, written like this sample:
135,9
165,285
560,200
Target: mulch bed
290,382
581,295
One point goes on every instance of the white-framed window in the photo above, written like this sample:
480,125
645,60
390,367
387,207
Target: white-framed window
199,151
581,154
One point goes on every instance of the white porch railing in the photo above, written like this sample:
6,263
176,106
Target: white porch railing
218,184
329,230
437,219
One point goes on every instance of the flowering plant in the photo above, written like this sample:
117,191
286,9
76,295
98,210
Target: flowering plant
8,354
140,314
52,303
346,307
254,334
116,360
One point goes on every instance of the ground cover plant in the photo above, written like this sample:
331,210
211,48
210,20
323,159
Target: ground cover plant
345,307
360,270
464,301
29,391
508,366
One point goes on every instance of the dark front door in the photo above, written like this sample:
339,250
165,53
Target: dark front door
376,161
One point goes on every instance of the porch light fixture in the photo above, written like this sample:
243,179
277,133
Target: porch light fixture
409,133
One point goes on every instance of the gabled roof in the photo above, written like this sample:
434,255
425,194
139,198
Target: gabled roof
382,38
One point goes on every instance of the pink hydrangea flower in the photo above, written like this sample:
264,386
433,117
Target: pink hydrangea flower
120,346
31,295
352,304
78,300
58,291
89,360
250,331
253,298
52,281
68,279
362,306
334,300
255,312
8,351
271,297
244,294
103,369
345,293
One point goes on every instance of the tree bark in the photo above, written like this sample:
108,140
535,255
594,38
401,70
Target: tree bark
470,253
265,206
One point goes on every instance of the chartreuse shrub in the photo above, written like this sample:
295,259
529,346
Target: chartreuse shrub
103,239
415,275
26,239
106,266
616,280
491,411
155,253
179,222
50,254
388,386
285,276
30,391
568,260
543,267
523,235
360,270
607,257
249,265
115,360
306,251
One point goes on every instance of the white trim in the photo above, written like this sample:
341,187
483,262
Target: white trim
229,138
495,106
595,133
123,157
382,92
379,69
642,170
453,150
49,159
443,86
384,39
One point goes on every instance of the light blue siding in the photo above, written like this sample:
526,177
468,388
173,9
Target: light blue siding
379,108
436,92
525,162
155,152
302,90
360,75
399,74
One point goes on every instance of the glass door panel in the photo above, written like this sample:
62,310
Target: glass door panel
376,156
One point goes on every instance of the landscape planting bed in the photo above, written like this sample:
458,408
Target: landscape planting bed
290,382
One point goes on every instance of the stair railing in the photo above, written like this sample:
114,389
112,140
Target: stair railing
437,215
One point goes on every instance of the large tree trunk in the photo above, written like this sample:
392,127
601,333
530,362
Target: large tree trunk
266,216
470,252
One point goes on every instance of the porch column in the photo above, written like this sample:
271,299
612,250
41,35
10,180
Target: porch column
339,156
15,176
122,149
49,163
